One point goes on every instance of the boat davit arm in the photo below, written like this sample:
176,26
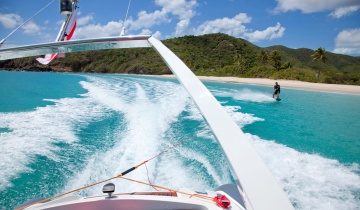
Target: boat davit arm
75,46
251,174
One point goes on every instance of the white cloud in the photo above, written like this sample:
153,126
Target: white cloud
270,33
147,20
232,26
182,27
84,20
311,6
348,42
144,22
145,32
31,28
183,9
92,31
235,27
13,20
157,35
10,20
344,11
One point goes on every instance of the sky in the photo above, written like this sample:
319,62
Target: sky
330,24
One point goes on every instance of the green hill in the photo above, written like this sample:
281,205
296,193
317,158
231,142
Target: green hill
211,55
336,62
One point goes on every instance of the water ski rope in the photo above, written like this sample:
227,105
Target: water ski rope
122,174
220,200
2,41
168,189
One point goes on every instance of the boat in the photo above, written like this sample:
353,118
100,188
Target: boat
255,187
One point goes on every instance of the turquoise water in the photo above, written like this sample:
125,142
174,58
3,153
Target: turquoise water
26,90
314,122
62,131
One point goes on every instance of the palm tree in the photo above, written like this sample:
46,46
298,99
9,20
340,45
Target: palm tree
319,54
237,59
276,59
263,57
287,65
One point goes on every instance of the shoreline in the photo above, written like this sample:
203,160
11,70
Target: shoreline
287,84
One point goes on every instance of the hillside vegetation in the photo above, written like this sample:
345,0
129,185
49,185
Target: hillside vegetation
209,55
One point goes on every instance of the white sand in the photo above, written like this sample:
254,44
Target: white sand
292,84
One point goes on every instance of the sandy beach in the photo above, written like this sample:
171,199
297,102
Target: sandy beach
292,84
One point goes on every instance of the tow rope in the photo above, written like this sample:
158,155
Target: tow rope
121,175
220,200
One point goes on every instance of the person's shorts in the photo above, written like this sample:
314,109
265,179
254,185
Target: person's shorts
276,92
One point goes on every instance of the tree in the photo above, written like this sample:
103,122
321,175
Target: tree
237,59
263,57
276,59
319,55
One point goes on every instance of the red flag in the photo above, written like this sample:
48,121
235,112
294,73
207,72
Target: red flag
68,33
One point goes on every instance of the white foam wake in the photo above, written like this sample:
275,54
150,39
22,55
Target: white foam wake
36,133
311,181
240,118
245,95
149,108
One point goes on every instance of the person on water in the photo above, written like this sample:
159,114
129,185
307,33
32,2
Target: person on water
276,90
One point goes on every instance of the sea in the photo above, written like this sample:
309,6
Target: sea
62,131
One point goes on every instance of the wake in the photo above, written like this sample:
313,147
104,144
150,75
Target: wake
246,95
150,109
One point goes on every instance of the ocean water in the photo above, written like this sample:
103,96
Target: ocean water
62,131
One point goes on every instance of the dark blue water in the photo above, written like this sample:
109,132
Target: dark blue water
62,131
